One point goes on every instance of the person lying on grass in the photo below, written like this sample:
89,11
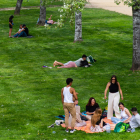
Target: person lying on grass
70,64
125,115
50,21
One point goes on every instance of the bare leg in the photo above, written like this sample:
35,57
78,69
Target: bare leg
10,31
57,63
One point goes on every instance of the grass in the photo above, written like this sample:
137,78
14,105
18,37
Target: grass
30,95
25,3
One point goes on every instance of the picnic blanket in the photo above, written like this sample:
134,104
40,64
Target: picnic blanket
87,127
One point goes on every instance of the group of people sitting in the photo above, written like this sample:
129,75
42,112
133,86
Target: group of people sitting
81,62
22,32
93,112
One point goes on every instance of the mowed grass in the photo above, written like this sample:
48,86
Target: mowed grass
25,3
30,96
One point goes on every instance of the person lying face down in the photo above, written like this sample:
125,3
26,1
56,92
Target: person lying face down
70,64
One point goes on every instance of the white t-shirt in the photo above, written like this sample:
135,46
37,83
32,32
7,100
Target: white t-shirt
20,29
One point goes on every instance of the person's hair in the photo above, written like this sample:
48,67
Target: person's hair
134,109
20,25
120,103
96,117
116,82
89,102
23,25
84,56
69,80
11,17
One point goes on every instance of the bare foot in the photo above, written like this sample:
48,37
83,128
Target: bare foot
54,64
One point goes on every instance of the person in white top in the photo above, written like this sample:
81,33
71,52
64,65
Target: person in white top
67,94
135,119
125,115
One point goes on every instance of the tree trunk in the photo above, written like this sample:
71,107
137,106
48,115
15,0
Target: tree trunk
18,6
136,39
78,27
42,16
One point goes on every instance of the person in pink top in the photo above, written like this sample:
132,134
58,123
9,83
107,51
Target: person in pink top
50,21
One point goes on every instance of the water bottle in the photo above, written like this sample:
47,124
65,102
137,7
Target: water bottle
108,128
133,130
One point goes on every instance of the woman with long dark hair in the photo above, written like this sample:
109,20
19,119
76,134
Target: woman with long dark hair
10,24
96,121
114,97
91,107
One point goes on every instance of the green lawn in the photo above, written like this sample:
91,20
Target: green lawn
25,3
30,95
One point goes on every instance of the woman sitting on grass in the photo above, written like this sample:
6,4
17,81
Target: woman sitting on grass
91,107
125,115
96,121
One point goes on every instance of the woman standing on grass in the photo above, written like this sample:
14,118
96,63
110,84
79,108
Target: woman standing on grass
10,24
114,97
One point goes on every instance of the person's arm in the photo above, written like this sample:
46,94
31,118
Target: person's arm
62,96
75,65
74,94
128,113
101,124
10,23
106,89
21,31
120,91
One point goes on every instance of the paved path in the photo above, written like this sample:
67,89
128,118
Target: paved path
109,5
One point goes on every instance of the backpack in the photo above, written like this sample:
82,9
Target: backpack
121,127
90,59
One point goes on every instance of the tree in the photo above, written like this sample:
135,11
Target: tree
72,10
78,27
18,6
135,4
42,16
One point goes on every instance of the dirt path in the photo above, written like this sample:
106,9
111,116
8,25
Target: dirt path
109,5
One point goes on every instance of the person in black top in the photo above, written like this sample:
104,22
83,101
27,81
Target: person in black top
114,97
22,33
10,24
91,107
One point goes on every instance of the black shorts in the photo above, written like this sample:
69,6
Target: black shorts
10,26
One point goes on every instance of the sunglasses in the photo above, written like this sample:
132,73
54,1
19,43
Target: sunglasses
113,79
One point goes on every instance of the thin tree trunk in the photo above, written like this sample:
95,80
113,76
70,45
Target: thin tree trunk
42,17
78,27
136,39
18,6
